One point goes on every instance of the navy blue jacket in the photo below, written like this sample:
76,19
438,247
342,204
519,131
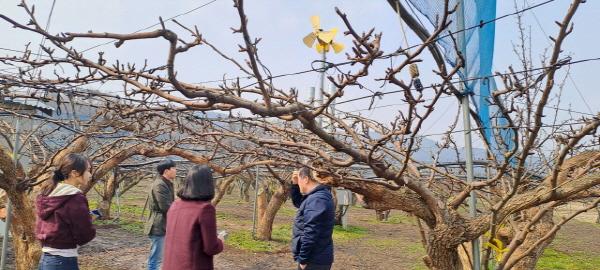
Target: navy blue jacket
312,240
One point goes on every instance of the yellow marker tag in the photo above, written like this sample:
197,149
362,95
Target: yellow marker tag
497,247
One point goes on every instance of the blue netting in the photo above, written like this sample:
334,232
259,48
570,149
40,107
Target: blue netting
479,54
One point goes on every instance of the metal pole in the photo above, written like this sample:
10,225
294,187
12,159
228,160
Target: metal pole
311,100
116,172
8,204
344,216
467,130
332,90
255,200
322,85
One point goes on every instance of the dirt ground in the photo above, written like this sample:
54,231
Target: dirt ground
394,244
385,245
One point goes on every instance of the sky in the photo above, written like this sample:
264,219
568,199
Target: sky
282,25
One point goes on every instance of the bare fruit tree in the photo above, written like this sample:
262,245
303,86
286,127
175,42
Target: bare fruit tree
112,135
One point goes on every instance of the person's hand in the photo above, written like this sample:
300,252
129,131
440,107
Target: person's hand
95,214
222,235
302,266
295,177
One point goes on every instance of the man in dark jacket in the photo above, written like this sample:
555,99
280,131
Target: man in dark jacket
160,198
312,242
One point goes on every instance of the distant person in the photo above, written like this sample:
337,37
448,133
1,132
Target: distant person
63,217
312,240
192,239
160,198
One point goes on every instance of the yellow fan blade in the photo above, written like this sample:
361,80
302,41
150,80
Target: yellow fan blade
334,31
309,39
337,47
315,22
322,47
327,36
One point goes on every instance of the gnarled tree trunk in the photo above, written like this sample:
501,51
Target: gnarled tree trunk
26,248
244,186
262,200
222,188
265,222
537,231
339,210
382,215
441,256
110,186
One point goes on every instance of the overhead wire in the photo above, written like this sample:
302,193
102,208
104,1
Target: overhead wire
109,42
370,96
156,24
483,77
568,74
402,51
332,65
399,91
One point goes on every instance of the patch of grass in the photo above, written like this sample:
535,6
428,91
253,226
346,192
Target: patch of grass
282,233
286,212
351,233
382,244
130,210
243,240
100,222
409,247
396,219
420,266
415,248
400,219
224,216
92,204
133,226
135,197
418,251
556,260
392,219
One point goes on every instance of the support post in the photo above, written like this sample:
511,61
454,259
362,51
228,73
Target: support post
332,91
467,129
116,172
322,85
255,204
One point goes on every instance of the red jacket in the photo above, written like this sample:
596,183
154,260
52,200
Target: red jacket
63,222
191,240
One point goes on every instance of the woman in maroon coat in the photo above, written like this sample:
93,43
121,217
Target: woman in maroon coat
191,240
63,220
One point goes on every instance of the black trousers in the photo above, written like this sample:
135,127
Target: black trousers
316,267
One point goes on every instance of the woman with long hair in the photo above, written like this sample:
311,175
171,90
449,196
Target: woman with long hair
191,240
63,216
